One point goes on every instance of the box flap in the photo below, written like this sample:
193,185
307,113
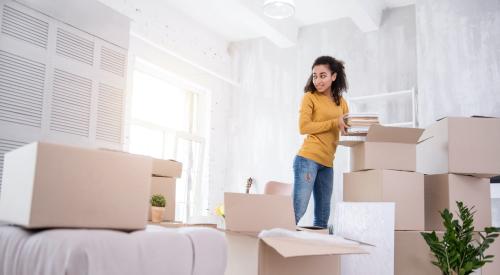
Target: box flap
256,212
349,143
378,133
295,247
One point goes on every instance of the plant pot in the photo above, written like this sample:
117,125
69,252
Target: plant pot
157,213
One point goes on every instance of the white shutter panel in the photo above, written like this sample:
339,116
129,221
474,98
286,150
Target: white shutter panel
75,47
113,61
109,114
71,96
25,27
21,90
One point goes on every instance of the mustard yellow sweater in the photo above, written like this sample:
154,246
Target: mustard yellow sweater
319,120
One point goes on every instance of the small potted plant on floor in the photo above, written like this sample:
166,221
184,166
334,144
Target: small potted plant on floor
459,252
157,207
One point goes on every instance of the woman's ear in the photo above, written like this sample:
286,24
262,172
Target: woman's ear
334,76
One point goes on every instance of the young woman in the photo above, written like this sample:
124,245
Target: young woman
322,113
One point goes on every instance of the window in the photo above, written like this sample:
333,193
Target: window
168,119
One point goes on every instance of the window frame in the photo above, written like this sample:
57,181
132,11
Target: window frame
196,133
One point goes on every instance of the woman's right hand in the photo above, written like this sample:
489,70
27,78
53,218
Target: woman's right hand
342,125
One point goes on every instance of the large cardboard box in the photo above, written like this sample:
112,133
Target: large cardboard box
412,255
51,185
166,187
248,214
167,168
249,255
443,191
391,148
406,189
460,146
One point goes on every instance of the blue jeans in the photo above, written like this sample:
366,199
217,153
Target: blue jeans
310,176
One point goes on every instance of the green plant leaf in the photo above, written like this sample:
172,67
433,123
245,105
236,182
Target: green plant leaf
458,252
158,200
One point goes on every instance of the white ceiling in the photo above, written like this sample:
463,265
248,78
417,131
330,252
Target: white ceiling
238,20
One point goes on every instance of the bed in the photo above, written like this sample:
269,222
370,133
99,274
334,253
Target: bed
155,250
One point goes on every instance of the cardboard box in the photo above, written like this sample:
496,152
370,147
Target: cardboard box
442,191
249,255
254,213
391,148
248,214
406,189
460,146
50,185
494,267
412,255
166,168
242,254
166,187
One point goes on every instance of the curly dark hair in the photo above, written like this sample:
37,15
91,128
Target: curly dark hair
339,86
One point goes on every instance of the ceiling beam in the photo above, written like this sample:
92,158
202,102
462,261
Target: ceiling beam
367,14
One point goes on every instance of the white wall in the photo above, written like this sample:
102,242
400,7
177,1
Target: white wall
264,136
176,33
458,58
376,62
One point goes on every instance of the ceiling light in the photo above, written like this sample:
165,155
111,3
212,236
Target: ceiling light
279,9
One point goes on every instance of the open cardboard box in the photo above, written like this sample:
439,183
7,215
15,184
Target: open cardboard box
392,148
460,145
248,214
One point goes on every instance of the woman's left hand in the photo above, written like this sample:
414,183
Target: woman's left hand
342,125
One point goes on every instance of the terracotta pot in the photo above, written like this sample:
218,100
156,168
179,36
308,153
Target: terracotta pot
157,213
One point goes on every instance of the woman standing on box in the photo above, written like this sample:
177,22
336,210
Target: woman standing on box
322,113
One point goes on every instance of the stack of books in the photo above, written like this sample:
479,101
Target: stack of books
360,123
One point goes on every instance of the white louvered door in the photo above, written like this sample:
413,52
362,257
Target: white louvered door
58,83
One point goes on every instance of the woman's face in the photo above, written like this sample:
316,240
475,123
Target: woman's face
323,78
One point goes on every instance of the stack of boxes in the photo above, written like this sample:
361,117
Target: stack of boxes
383,170
424,172
458,156
163,181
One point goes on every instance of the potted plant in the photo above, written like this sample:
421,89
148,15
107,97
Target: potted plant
459,252
157,207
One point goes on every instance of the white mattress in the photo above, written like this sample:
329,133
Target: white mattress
156,250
